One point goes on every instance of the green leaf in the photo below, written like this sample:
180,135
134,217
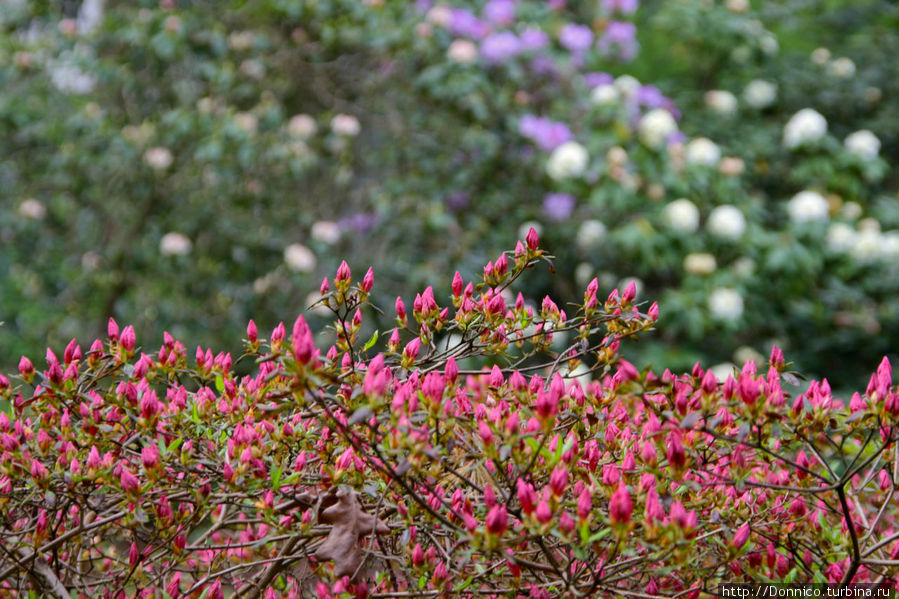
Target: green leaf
423,581
371,342
219,383
599,535
276,476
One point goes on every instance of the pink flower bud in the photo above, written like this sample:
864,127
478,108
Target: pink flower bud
501,266
173,587
485,433
532,239
620,506
252,332
418,555
527,497
497,519
112,329
558,480
566,522
128,338
129,482
653,312
400,310
543,513
457,284
496,378
741,537
343,272
72,352
301,341
412,348
39,472
676,454
584,504
368,280
630,292
278,333
150,456
26,368
451,370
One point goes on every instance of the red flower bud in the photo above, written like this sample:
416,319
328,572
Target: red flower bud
584,504
368,280
558,480
343,272
128,338
458,284
630,292
620,506
418,555
653,312
252,331
112,329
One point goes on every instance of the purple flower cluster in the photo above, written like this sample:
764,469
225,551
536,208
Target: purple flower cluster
500,12
466,24
626,7
620,36
576,38
558,206
596,79
499,47
547,134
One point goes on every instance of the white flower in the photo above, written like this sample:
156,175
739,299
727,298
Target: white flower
841,68
603,95
852,210
174,244
768,44
326,231
725,304
840,237
738,6
590,233
820,56
440,15
889,249
682,215
721,101
345,124
246,121
299,258
807,206
656,127
158,158
700,263
567,161
32,209
302,126
726,222
583,273
746,353
743,267
90,15
805,126
862,143
627,85
759,93
616,156
723,370
69,79
703,151
868,245
462,51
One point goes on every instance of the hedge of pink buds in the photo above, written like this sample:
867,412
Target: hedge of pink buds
352,473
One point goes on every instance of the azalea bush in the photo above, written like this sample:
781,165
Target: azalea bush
186,166
457,457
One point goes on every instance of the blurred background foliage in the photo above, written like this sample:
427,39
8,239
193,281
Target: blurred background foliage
186,165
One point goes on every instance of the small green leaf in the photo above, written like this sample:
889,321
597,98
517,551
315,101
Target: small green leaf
422,581
371,342
219,383
276,476
599,535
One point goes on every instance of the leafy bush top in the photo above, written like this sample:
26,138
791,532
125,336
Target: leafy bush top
464,458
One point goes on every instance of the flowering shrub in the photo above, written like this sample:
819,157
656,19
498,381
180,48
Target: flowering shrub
474,467
187,165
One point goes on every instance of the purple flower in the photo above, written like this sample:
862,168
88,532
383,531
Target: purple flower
623,6
547,134
501,12
533,39
596,79
457,200
422,6
576,38
621,35
500,47
651,97
360,223
558,206
465,23
556,4
543,65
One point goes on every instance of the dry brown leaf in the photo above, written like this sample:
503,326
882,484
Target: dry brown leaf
342,509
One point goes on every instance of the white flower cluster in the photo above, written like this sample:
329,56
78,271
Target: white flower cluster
726,222
806,126
721,101
175,244
759,93
590,233
682,215
808,206
299,258
867,244
863,144
725,303
656,127
567,161
703,151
